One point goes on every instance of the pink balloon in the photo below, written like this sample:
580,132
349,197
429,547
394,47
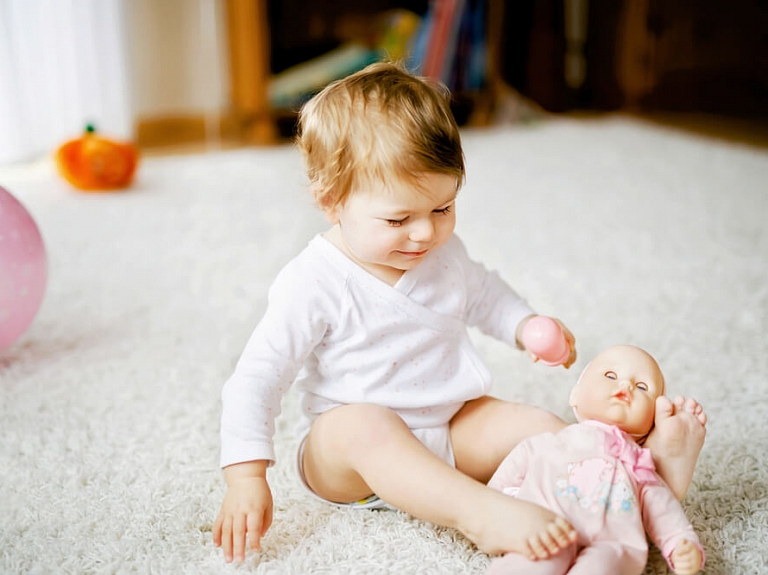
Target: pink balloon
23,269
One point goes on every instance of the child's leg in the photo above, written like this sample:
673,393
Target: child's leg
356,450
676,440
486,429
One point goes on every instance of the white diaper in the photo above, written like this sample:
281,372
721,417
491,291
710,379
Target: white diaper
436,439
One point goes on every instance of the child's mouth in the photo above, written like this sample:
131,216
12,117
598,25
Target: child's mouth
414,254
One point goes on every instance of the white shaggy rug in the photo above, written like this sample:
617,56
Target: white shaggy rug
109,403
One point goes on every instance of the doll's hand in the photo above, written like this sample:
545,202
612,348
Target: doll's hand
245,511
686,558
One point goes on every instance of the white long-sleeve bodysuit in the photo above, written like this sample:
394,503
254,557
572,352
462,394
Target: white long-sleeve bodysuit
605,485
347,337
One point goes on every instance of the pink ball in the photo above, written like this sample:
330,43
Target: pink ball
23,269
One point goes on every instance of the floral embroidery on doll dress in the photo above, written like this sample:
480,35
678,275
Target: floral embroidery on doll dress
598,485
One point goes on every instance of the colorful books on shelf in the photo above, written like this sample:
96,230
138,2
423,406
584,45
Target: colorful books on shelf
450,45
291,88
447,44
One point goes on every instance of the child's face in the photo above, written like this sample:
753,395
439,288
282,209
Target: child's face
388,231
620,386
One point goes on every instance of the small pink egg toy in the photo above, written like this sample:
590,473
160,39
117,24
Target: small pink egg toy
23,269
543,337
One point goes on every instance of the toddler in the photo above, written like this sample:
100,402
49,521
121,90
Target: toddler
369,322
596,475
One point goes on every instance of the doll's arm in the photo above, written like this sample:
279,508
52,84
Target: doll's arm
687,558
511,473
669,528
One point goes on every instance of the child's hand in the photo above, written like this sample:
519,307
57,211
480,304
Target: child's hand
686,558
543,340
571,342
245,512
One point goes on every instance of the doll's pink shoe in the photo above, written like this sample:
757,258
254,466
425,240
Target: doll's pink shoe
543,337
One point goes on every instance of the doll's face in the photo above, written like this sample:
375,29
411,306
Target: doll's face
620,387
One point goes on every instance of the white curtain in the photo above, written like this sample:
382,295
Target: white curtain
63,64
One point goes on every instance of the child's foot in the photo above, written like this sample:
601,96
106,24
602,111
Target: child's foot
676,440
505,524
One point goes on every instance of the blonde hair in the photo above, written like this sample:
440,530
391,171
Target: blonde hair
377,125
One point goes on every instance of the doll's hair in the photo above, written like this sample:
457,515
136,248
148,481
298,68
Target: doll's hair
381,124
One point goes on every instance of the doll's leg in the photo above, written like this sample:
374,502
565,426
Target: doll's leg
515,564
605,557
676,440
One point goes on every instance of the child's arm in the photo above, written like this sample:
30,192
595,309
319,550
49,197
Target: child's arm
493,306
293,324
246,511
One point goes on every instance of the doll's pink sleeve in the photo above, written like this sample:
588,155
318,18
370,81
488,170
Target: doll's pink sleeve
511,472
665,520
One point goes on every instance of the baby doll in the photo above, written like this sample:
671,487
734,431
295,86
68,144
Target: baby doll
596,475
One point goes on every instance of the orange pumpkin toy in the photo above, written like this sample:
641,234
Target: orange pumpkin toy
93,163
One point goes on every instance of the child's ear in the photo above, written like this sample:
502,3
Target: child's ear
332,215
323,201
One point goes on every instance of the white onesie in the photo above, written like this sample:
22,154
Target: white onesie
347,337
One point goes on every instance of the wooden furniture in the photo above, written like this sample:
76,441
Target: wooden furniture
250,45
694,55
639,55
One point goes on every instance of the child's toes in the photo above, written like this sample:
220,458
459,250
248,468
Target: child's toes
563,532
536,545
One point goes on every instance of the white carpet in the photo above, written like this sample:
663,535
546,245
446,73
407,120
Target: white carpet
110,402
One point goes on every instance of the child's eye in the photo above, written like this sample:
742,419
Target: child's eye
443,211
642,385
610,375
396,223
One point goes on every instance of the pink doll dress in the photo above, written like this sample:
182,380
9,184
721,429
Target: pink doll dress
606,486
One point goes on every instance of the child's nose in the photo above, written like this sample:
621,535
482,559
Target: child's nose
422,230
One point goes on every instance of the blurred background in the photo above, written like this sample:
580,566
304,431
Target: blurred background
173,75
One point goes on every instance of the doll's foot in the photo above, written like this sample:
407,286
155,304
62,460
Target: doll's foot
676,441
505,524
513,563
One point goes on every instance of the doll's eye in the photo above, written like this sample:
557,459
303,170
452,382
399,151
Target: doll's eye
610,375
642,385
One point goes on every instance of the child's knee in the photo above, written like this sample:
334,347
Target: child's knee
359,427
